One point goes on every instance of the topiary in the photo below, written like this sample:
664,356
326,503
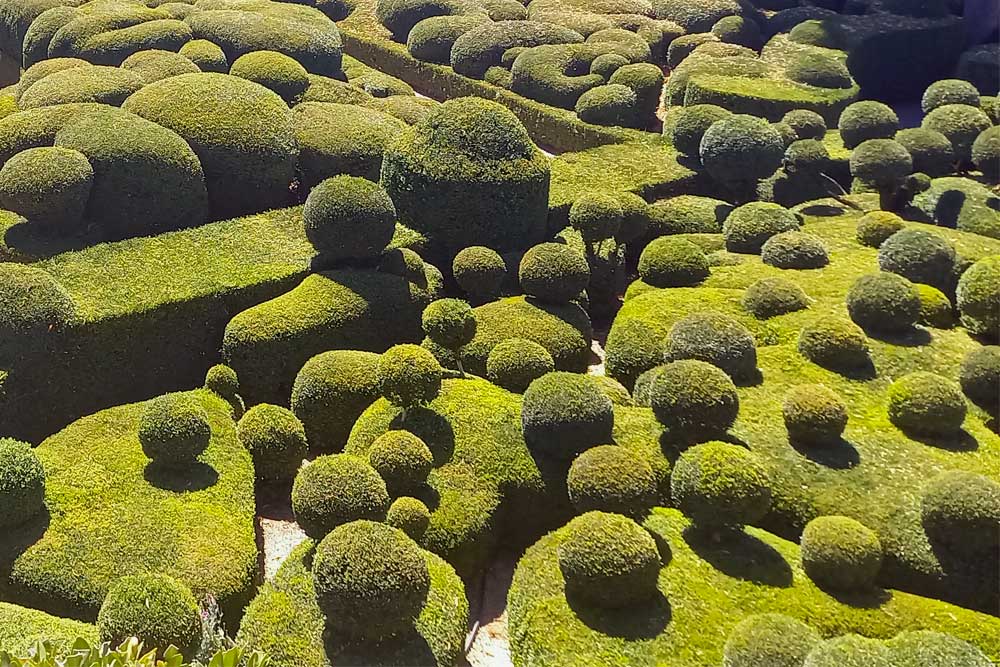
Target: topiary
960,511
450,323
672,262
22,483
431,38
866,120
157,609
850,651
563,414
646,81
50,186
610,104
402,460
693,399
275,71
32,307
814,414
692,123
553,272
961,123
935,308
770,297
774,640
334,490
949,91
716,338
276,440
931,151
206,55
749,226
371,580
985,154
814,32
608,561
835,343
479,271
740,150
614,390
795,250
882,164
174,429
884,302
979,377
408,375
925,403
405,263
614,479
807,157
840,553
807,124
925,648
875,227
409,515
90,83
155,64
596,216
818,69
515,363
347,217
223,381
718,485
738,30
919,256
977,296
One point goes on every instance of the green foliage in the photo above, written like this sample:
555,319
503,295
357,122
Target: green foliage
276,440
692,123
610,104
770,297
25,631
835,343
206,55
866,120
90,83
925,403
49,186
156,64
884,302
408,375
449,322
610,478
977,296
646,81
479,271
814,414
949,91
720,485
741,149
553,272
273,70
980,377
431,39
32,306
22,483
930,150
402,460
749,226
959,511
926,648
672,262
130,653
695,18
483,47
875,227
850,651
334,490
564,414
409,515
738,30
775,640
347,217
794,250
222,380
881,163
841,554
807,124
716,338
961,123
935,308
401,16
694,399
156,608
919,256
515,362
806,157
596,216
985,153
174,430
820,70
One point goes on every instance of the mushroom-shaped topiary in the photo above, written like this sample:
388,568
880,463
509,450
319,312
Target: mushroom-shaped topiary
450,323
408,376
672,262
770,297
157,609
919,256
691,125
564,414
740,150
835,343
961,123
174,429
980,377
814,414
949,91
716,338
977,297
985,154
22,483
931,151
596,216
866,120
609,561
402,459
516,362
884,302
371,580
410,515
348,217
553,272
720,486
334,490
479,271
610,478
875,227
960,512
749,226
925,403
807,124
276,440
882,164
50,186
693,399
774,640
795,250
840,553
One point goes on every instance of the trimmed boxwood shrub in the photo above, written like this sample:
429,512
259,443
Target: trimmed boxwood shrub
174,429
788,136
986,153
276,440
926,404
516,362
401,16
479,271
274,71
961,123
693,399
610,104
553,272
206,55
738,30
884,302
850,651
371,580
646,81
22,483
483,47
875,227
609,561
949,91
92,83
977,296
564,414
770,297
926,648
835,343
808,157
449,323
402,460
607,64
841,553
774,640
740,150
979,377
158,609
610,478
931,151
866,120
692,123
596,216
409,515
716,338
50,186
919,256
223,381
881,164
334,490
156,64
749,226
347,217
935,308
408,375
431,39
818,69
807,124
795,250
959,511
718,485
814,414
672,262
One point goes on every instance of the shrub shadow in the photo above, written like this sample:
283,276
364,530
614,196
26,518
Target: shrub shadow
959,441
740,555
914,337
823,210
195,476
839,455
645,620
407,648
872,598
18,539
430,427
861,371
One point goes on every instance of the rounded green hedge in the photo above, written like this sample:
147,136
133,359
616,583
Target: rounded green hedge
409,515
408,375
820,70
157,609
806,156
347,217
884,302
749,226
977,296
479,271
596,216
935,308
694,399
738,30
718,485
449,322
553,272
22,483
795,250
223,381
32,306
155,64
431,38
881,163
841,553
334,490
516,362
986,153
610,104
979,377
769,640
90,83
715,338
275,71
208,56
875,227
741,149
948,91
959,511
919,256
174,429
850,651
814,414
926,648
49,186
672,262
401,459
835,343
866,120
610,478
930,150
807,124
961,123
692,123
925,403
563,414
770,297
276,440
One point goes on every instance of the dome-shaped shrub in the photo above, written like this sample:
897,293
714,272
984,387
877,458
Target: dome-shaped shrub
32,306
866,120
479,271
157,609
738,30
347,217
884,302
926,404
960,512
749,226
672,262
371,580
835,343
336,489
564,414
961,123
596,216
276,440
223,381
978,295
408,375
22,483
926,648
209,57
770,297
174,429
607,64
273,70
610,478
49,186
514,363
814,414
692,123
881,163
402,459
840,553
449,322
795,250
807,157
410,515
850,650
716,338
875,227
694,399
985,153
720,485
774,640
807,124
610,104
740,150
918,256
553,272
935,308
980,377
818,69
609,560
949,91
930,150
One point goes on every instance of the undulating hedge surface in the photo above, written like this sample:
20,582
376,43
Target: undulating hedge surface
21,627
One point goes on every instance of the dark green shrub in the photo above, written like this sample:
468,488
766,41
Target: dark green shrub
92,83
596,216
720,485
564,414
925,403
716,338
206,55
980,377
882,164
949,91
977,296
611,104
432,38
850,651
986,153
835,343
740,150
694,399
553,272
223,381
409,515
926,648
607,64
408,375
157,609
807,157
402,460
614,479
635,217
276,440
516,362
773,640
683,46
840,553
646,81
817,69
642,389
371,580
696,17
404,263
918,256
479,271
884,302
22,483
273,70
961,123
960,511
788,135
609,561
875,227
401,16
795,250
450,323
770,297
692,123
807,124
866,120
738,30
814,32
155,64
49,186
935,308
42,69
814,414
32,307
672,262
334,490
749,226
483,47
931,151
347,217
614,390
174,429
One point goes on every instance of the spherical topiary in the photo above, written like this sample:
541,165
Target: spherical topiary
410,515
336,489
280,73
961,123
22,483
694,399
408,375
770,297
692,123
157,609
949,91
596,216
449,322
977,297
672,262
835,343
608,560
371,580
223,381
806,156
788,136
807,124
774,640
980,377
553,272
720,485
610,478
918,256
514,363
32,307
814,414
960,512
875,227
818,69
49,186
741,149
479,271
884,302
841,553
795,250
402,459
347,217
208,56
738,30
607,64
935,308
926,404
850,651
610,104
276,440
985,153
926,648
749,226
931,151
716,338
564,414
174,429
881,163
635,217
866,120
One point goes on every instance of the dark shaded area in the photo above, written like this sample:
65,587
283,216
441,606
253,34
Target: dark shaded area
634,622
195,476
740,555
430,427
959,441
869,599
839,455
403,650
